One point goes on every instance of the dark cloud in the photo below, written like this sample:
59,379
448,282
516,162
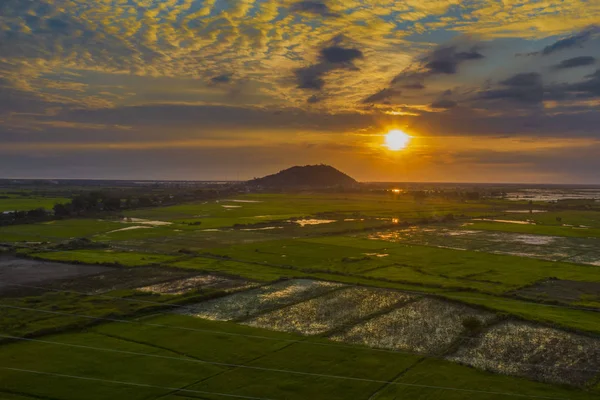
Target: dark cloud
58,26
313,99
311,77
469,55
313,7
572,41
524,87
338,54
444,103
414,85
330,58
587,88
382,95
224,78
575,62
517,94
164,115
14,100
445,60
523,79
410,80
594,75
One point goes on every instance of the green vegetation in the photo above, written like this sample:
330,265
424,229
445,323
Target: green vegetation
546,313
26,203
272,207
370,238
106,257
407,263
589,219
17,320
56,231
149,355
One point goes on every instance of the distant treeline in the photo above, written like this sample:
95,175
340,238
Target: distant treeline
101,202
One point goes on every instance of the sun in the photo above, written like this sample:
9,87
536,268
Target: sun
396,140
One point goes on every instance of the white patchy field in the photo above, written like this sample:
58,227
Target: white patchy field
252,302
182,286
544,247
426,326
534,352
325,313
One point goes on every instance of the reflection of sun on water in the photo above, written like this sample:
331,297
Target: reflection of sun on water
396,140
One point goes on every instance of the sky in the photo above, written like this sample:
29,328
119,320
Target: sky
489,90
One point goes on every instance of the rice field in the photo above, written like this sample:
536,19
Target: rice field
252,302
427,326
534,352
186,285
329,312
230,256
581,250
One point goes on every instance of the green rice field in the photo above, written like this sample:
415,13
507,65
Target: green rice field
421,268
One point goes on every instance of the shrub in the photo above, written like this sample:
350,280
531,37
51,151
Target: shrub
472,324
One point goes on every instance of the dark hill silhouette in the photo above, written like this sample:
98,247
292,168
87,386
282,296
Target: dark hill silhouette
306,176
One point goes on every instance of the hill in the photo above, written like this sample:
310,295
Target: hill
306,176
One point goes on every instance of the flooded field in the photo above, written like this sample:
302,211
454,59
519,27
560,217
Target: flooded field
264,298
308,222
535,352
525,211
554,194
329,312
563,291
142,221
106,280
23,271
426,326
545,247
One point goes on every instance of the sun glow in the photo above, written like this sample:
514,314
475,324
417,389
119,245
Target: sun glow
397,140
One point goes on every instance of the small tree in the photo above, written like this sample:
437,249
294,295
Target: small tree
472,324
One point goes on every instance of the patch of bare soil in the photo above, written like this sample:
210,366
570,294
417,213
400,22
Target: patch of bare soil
562,290
104,279
34,272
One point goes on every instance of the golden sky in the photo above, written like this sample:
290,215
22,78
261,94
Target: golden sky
490,90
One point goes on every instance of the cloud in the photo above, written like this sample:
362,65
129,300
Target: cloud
224,78
587,88
311,77
523,79
331,58
413,85
575,62
382,95
338,54
571,41
212,117
445,60
58,25
63,55
526,87
313,7
444,103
